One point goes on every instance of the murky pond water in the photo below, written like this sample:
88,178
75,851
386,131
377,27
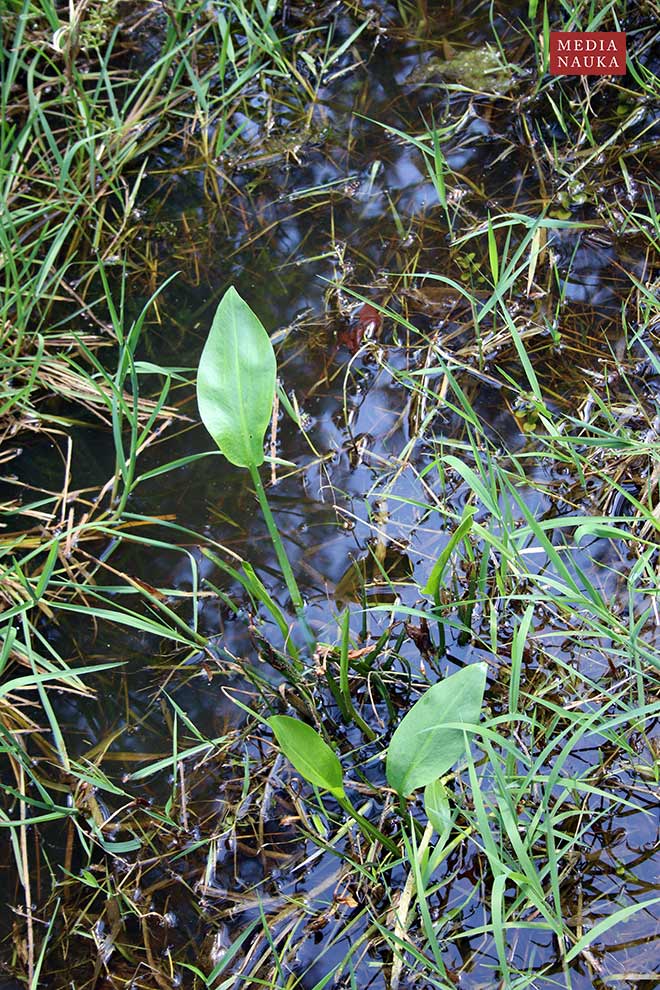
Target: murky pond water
320,206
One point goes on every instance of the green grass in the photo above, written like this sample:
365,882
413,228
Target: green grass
76,130
127,837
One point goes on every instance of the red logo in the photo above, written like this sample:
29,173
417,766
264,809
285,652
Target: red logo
587,53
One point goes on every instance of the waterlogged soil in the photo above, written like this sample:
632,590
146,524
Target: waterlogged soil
308,207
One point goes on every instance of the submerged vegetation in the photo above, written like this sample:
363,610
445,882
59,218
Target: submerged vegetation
400,729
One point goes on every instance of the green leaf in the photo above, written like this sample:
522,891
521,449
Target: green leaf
595,530
433,584
231,952
310,755
148,368
119,848
430,739
236,381
604,926
436,804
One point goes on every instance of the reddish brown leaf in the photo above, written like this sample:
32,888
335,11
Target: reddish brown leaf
367,322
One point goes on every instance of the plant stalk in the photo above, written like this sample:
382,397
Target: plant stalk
368,828
283,560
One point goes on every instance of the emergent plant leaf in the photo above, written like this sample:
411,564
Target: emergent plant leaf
427,744
236,381
310,755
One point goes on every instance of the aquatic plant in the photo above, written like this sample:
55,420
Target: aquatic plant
429,741
519,249
235,394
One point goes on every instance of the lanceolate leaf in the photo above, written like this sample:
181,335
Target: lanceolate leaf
310,755
236,381
428,742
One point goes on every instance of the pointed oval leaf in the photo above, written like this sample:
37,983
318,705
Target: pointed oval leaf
309,753
236,381
425,745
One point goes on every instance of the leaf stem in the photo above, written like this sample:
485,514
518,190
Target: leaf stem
283,560
367,827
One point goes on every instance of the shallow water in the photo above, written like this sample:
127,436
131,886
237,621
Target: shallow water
317,205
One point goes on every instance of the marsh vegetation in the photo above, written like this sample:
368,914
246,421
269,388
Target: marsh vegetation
218,685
